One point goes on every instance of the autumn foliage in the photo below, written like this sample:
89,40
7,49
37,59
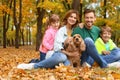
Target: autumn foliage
11,57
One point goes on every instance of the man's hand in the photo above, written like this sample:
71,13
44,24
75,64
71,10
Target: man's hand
81,25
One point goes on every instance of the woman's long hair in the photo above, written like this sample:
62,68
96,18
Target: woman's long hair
68,14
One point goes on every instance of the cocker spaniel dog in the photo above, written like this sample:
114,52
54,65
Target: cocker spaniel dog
74,46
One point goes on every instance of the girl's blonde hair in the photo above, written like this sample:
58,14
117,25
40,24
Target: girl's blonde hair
53,18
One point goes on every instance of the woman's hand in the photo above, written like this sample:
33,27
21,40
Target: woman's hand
74,54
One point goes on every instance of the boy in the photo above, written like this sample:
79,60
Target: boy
107,48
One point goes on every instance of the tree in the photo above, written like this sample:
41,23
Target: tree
40,14
105,9
17,23
6,19
77,5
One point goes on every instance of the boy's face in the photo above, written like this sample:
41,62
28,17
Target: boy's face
89,19
105,36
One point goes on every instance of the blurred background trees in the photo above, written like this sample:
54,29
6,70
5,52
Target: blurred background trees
22,22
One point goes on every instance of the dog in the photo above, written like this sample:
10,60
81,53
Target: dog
74,46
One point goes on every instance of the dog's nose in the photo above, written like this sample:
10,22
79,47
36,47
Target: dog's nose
77,39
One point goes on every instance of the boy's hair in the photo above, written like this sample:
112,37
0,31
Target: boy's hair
105,28
88,11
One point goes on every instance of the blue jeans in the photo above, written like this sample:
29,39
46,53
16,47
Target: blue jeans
113,56
42,57
90,54
54,60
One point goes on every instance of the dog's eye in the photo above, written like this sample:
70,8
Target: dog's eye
74,37
79,36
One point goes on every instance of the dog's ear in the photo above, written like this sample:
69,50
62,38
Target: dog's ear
66,45
82,46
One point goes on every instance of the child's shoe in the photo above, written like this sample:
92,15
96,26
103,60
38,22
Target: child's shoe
26,66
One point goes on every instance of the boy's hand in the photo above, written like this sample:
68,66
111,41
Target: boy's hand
105,52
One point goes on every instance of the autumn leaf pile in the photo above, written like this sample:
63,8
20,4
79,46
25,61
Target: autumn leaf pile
11,57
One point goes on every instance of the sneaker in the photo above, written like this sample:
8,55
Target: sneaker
114,64
34,61
26,66
85,64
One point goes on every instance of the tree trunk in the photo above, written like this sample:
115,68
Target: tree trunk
81,11
4,31
76,4
105,10
6,21
40,13
17,25
22,36
29,35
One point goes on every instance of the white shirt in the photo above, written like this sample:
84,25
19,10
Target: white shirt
60,38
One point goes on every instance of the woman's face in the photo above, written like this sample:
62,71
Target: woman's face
72,19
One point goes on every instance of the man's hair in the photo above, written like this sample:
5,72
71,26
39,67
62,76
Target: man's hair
88,11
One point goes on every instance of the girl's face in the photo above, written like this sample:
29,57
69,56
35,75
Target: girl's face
105,36
72,19
55,24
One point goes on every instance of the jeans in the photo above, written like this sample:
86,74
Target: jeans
113,56
90,54
54,60
42,57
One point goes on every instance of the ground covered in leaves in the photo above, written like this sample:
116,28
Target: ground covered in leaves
11,57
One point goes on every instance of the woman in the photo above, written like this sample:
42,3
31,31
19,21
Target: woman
69,22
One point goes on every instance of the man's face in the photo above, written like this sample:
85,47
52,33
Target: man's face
89,19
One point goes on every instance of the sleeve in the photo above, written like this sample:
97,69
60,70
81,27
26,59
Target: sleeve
78,30
99,46
112,45
59,40
46,40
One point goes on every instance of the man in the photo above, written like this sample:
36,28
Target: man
90,33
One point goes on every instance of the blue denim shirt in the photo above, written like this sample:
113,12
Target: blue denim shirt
60,38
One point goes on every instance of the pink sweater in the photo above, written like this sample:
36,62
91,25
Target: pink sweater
48,40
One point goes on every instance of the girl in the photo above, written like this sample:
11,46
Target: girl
53,25
69,22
